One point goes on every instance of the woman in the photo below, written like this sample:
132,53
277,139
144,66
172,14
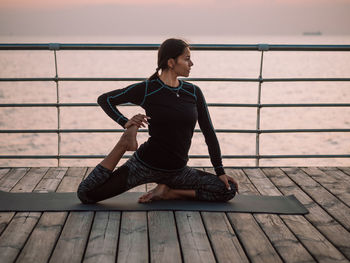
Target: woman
172,109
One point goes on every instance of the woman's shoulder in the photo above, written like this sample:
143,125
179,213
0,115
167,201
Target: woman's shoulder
136,86
193,88
190,86
187,83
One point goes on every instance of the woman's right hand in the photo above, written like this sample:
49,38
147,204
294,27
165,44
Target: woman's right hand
139,120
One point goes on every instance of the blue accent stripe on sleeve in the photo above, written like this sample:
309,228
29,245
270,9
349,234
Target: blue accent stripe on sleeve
144,97
194,91
211,124
112,97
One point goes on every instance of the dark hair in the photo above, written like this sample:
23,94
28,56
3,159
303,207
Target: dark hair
170,48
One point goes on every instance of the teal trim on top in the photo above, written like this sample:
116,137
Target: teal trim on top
154,91
208,115
211,124
194,91
122,93
144,97
193,94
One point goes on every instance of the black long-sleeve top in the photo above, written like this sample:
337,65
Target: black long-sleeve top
174,112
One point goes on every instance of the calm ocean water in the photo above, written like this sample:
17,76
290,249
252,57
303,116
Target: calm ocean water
206,64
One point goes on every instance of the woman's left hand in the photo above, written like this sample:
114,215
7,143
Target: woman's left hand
225,178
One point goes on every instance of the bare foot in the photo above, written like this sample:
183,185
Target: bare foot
128,139
158,193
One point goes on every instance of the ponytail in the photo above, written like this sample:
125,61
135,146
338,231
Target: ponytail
155,75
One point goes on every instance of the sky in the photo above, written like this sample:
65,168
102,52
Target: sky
153,17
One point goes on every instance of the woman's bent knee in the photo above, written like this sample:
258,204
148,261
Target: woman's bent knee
228,195
97,177
220,195
102,184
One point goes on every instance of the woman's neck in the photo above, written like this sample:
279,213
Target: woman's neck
169,78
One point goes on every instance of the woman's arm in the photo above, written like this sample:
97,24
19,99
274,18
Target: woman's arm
211,140
134,93
207,128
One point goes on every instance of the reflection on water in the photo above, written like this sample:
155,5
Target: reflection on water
206,64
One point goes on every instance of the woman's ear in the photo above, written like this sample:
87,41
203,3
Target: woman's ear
171,63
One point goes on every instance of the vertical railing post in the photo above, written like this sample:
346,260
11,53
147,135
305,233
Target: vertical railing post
54,47
262,48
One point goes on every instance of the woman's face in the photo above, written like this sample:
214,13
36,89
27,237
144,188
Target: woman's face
183,64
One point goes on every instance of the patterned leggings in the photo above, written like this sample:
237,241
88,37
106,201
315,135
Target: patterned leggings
102,183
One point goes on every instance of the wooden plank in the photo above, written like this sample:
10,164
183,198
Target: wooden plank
319,247
254,240
30,180
12,178
336,173
5,218
333,231
283,240
51,180
224,239
103,239
244,184
164,244
15,235
133,240
194,242
72,179
41,241
38,246
316,243
7,182
71,244
225,243
324,198
44,237
339,188
3,172
346,170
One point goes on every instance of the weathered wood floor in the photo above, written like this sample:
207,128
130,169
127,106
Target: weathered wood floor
160,236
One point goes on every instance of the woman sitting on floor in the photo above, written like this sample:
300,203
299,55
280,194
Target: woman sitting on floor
172,109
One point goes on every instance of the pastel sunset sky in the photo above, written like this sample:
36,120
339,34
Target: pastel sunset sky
202,17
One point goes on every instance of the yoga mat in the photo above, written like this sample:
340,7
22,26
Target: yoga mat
39,202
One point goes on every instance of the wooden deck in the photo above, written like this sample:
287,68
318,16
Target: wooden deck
161,236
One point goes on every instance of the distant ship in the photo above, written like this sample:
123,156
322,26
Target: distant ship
312,33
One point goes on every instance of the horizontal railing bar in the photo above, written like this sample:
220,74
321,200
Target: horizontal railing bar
196,130
208,104
191,156
243,47
57,104
187,79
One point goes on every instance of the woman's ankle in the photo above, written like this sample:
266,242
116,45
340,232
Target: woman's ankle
128,138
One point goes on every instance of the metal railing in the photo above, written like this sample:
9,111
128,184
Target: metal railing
212,47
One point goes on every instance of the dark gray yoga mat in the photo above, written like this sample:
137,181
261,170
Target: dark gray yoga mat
28,202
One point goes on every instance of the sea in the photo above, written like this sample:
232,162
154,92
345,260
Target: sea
142,64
